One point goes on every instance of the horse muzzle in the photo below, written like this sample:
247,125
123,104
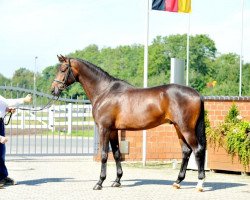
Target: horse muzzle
56,91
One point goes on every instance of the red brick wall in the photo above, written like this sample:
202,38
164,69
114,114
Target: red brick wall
217,110
162,141
162,144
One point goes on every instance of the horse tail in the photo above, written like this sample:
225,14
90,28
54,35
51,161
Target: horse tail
200,125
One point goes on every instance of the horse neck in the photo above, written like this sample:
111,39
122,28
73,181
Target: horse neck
93,83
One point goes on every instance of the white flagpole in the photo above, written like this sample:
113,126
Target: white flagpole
241,46
187,64
145,82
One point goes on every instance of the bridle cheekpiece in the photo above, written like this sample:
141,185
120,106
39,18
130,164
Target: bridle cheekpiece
69,72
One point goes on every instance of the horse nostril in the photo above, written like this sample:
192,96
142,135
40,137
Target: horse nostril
54,91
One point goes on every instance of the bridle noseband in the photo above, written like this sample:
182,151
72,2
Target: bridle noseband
69,72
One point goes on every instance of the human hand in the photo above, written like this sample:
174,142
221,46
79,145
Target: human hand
3,139
10,110
27,99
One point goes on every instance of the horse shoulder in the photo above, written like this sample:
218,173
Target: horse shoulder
108,104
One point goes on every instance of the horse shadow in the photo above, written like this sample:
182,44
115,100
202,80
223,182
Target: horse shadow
35,182
209,186
41,181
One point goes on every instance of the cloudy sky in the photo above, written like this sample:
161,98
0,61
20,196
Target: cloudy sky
43,29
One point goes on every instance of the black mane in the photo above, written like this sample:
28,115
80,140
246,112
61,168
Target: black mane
99,71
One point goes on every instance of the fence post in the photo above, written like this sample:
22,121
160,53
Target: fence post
22,119
69,115
51,118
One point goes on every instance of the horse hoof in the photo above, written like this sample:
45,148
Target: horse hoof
97,187
116,184
176,186
199,189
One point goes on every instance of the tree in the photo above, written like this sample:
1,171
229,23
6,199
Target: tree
45,79
4,80
159,62
246,79
90,53
202,51
227,83
175,46
23,78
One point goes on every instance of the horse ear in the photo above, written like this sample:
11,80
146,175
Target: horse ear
62,58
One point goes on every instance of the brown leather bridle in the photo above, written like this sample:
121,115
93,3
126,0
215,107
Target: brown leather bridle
69,72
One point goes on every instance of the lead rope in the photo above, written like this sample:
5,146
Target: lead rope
6,123
48,105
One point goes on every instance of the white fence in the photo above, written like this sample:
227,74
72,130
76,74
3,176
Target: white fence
57,115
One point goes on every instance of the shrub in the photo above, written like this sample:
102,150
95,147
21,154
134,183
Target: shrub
233,134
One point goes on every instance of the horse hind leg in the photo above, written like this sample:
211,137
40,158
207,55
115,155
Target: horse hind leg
200,151
117,156
192,142
186,152
200,154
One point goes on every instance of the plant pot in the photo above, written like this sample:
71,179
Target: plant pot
219,159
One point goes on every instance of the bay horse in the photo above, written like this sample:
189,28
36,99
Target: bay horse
117,105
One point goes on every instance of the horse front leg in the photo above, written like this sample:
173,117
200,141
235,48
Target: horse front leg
104,143
117,156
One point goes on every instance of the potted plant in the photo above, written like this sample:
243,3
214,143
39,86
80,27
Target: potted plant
229,143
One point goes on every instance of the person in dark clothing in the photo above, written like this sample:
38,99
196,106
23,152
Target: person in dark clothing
7,105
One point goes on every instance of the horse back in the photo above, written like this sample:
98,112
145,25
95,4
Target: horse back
127,107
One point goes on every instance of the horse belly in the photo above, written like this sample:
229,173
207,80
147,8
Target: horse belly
136,121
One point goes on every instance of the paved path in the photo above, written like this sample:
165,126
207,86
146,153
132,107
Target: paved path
73,178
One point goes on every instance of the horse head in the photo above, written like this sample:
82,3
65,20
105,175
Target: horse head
66,75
